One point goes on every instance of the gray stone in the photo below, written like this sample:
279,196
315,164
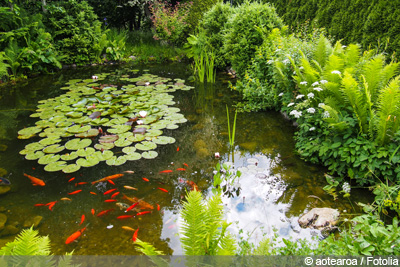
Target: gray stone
3,220
9,230
319,218
33,221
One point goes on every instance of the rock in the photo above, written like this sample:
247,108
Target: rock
4,189
202,153
199,144
33,221
3,220
319,218
9,230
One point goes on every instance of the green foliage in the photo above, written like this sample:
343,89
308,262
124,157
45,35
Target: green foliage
147,249
3,66
204,66
245,31
226,180
116,49
231,135
198,11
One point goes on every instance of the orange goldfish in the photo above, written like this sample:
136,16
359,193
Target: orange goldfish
134,237
127,228
65,198
110,200
185,164
158,207
34,180
70,180
181,169
145,179
162,189
82,219
142,204
51,205
166,171
143,212
125,217
81,183
111,182
177,149
131,172
109,191
75,192
114,195
39,204
104,212
74,236
115,176
93,212
132,206
93,193
130,187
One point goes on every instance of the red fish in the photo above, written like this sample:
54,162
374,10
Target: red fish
177,149
93,212
181,169
70,180
111,182
109,191
39,204
125,217
34,180
162,189
143,212
132,206
134,237
104,212
185,164
158,207
114,195
115,176
82,219
52,205
93,193
75,192
166,171
110,200
81,183
74,236
145,179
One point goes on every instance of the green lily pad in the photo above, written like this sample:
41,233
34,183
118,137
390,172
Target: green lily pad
119,129
48,159
88,161
99,121
163,140
153,133
172,126
146,145
34,146
55,166
108,138
85,152
49,141
71,168
44,124
104,146
125,135
30,131
53,149
34,155
77,143
122,143
136,138
114,161
129,149
105,155
69,156
74,114
149,154
89,133
78,129
133,156
25,151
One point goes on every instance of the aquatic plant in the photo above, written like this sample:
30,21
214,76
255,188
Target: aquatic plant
231,135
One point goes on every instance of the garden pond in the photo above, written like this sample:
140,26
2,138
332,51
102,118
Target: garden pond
70,130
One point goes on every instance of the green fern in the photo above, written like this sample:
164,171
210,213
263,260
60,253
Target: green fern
322,51
147,248
3,66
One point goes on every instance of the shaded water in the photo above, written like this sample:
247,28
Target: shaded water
276,186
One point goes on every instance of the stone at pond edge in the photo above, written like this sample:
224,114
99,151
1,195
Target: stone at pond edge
4,189
33,221
9,230
319,218
3,220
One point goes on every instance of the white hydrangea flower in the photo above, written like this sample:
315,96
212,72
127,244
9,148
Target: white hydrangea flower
323,81
281,94
311,110
310,95
312,129
346,187
286,61
343,46
336,72
319,89
299,96
315,84
320,105
303,83
326,114
294,72
295,113
290,104
301,68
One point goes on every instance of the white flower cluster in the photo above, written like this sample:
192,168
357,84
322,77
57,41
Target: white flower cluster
319,89
323,81
336,72
326,114
320,105
295,113
315,84
281,94
310,95
346,187
311,110
303,83
312,129
299,96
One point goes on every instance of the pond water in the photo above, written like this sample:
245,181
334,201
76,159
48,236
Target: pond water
276,186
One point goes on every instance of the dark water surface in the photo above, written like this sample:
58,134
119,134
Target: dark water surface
276,186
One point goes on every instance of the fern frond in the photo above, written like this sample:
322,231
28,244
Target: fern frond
352,55
371,72
310,74
227,242
147,248
213,222
334,63
333,89
333,114
322,51
388,72
265,247
337,49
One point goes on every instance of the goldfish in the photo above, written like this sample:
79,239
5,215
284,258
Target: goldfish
162,189
142,204
127,228
143,212
93,212
110,200
145,179
130,187
111,182
39,204
181,169
109,191
166,171
70,180
51,205
158,207
93,193
193,185
131,172
104,212
134,237
65,198
185,164
114,195
74,236
75,192
115,176
125,217
122,206
81,183
131,207
82,219
34,180
177,148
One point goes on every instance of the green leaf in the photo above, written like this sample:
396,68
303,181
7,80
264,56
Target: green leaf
77,143
149,154
146,145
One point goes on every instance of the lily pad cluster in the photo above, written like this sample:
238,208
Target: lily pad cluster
94,122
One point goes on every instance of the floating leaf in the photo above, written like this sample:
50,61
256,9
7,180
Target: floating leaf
71,168
172,126
129,149
77,143
30,131
104,146
105,155
73,114
69,156
133,156
50,141
99,121
88,161
85,152
89,133
78,129
146,145
149,154
153,133
119,129
34,146
55,166
108,138
114,161
48,159
35,155
136,138
53,149
163,140
122,142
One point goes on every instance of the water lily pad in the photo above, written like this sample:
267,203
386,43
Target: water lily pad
122,143
34,155
129,149
153,133
133,156
78,129
125,135
136,138
50,141
77,143
172,126
48,159
69,156
89,133
88,161
34,146
73,114
105,155
119,129
146,145
104,146
149,154
114,161
44,124
71,168
99,121
85,152
108,138
163,140
55,166
30,131
53,149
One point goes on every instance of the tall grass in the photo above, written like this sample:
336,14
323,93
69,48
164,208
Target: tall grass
204,67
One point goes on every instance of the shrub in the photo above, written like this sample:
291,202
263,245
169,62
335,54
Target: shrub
198,10
243,32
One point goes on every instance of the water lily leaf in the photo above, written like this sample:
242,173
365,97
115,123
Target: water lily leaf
55,166
71,168
64,124
88,161
85,152
48,159
105,155
149,154
77,143
153,133
30,131
136,138
122,142
114,161
95,115
129,149
69,156
183,120
119,129
49,141
34,155
146,145
99,121
163,140
172,126
53,149
44,124
133,156
104,146
150,119
108,138
82,120
89,133
78,129
73,114
34,146
125,135
159,125
116,121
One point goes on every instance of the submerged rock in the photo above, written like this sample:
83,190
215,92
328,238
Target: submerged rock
3,220
9,230
33,221
202,153
320,218
199,144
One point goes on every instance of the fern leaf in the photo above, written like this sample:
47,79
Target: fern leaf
334,63
322,51
388,72
372,72
147,248
352,55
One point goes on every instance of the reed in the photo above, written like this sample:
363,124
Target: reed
231,135
204,67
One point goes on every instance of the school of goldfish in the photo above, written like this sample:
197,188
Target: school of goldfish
138,207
